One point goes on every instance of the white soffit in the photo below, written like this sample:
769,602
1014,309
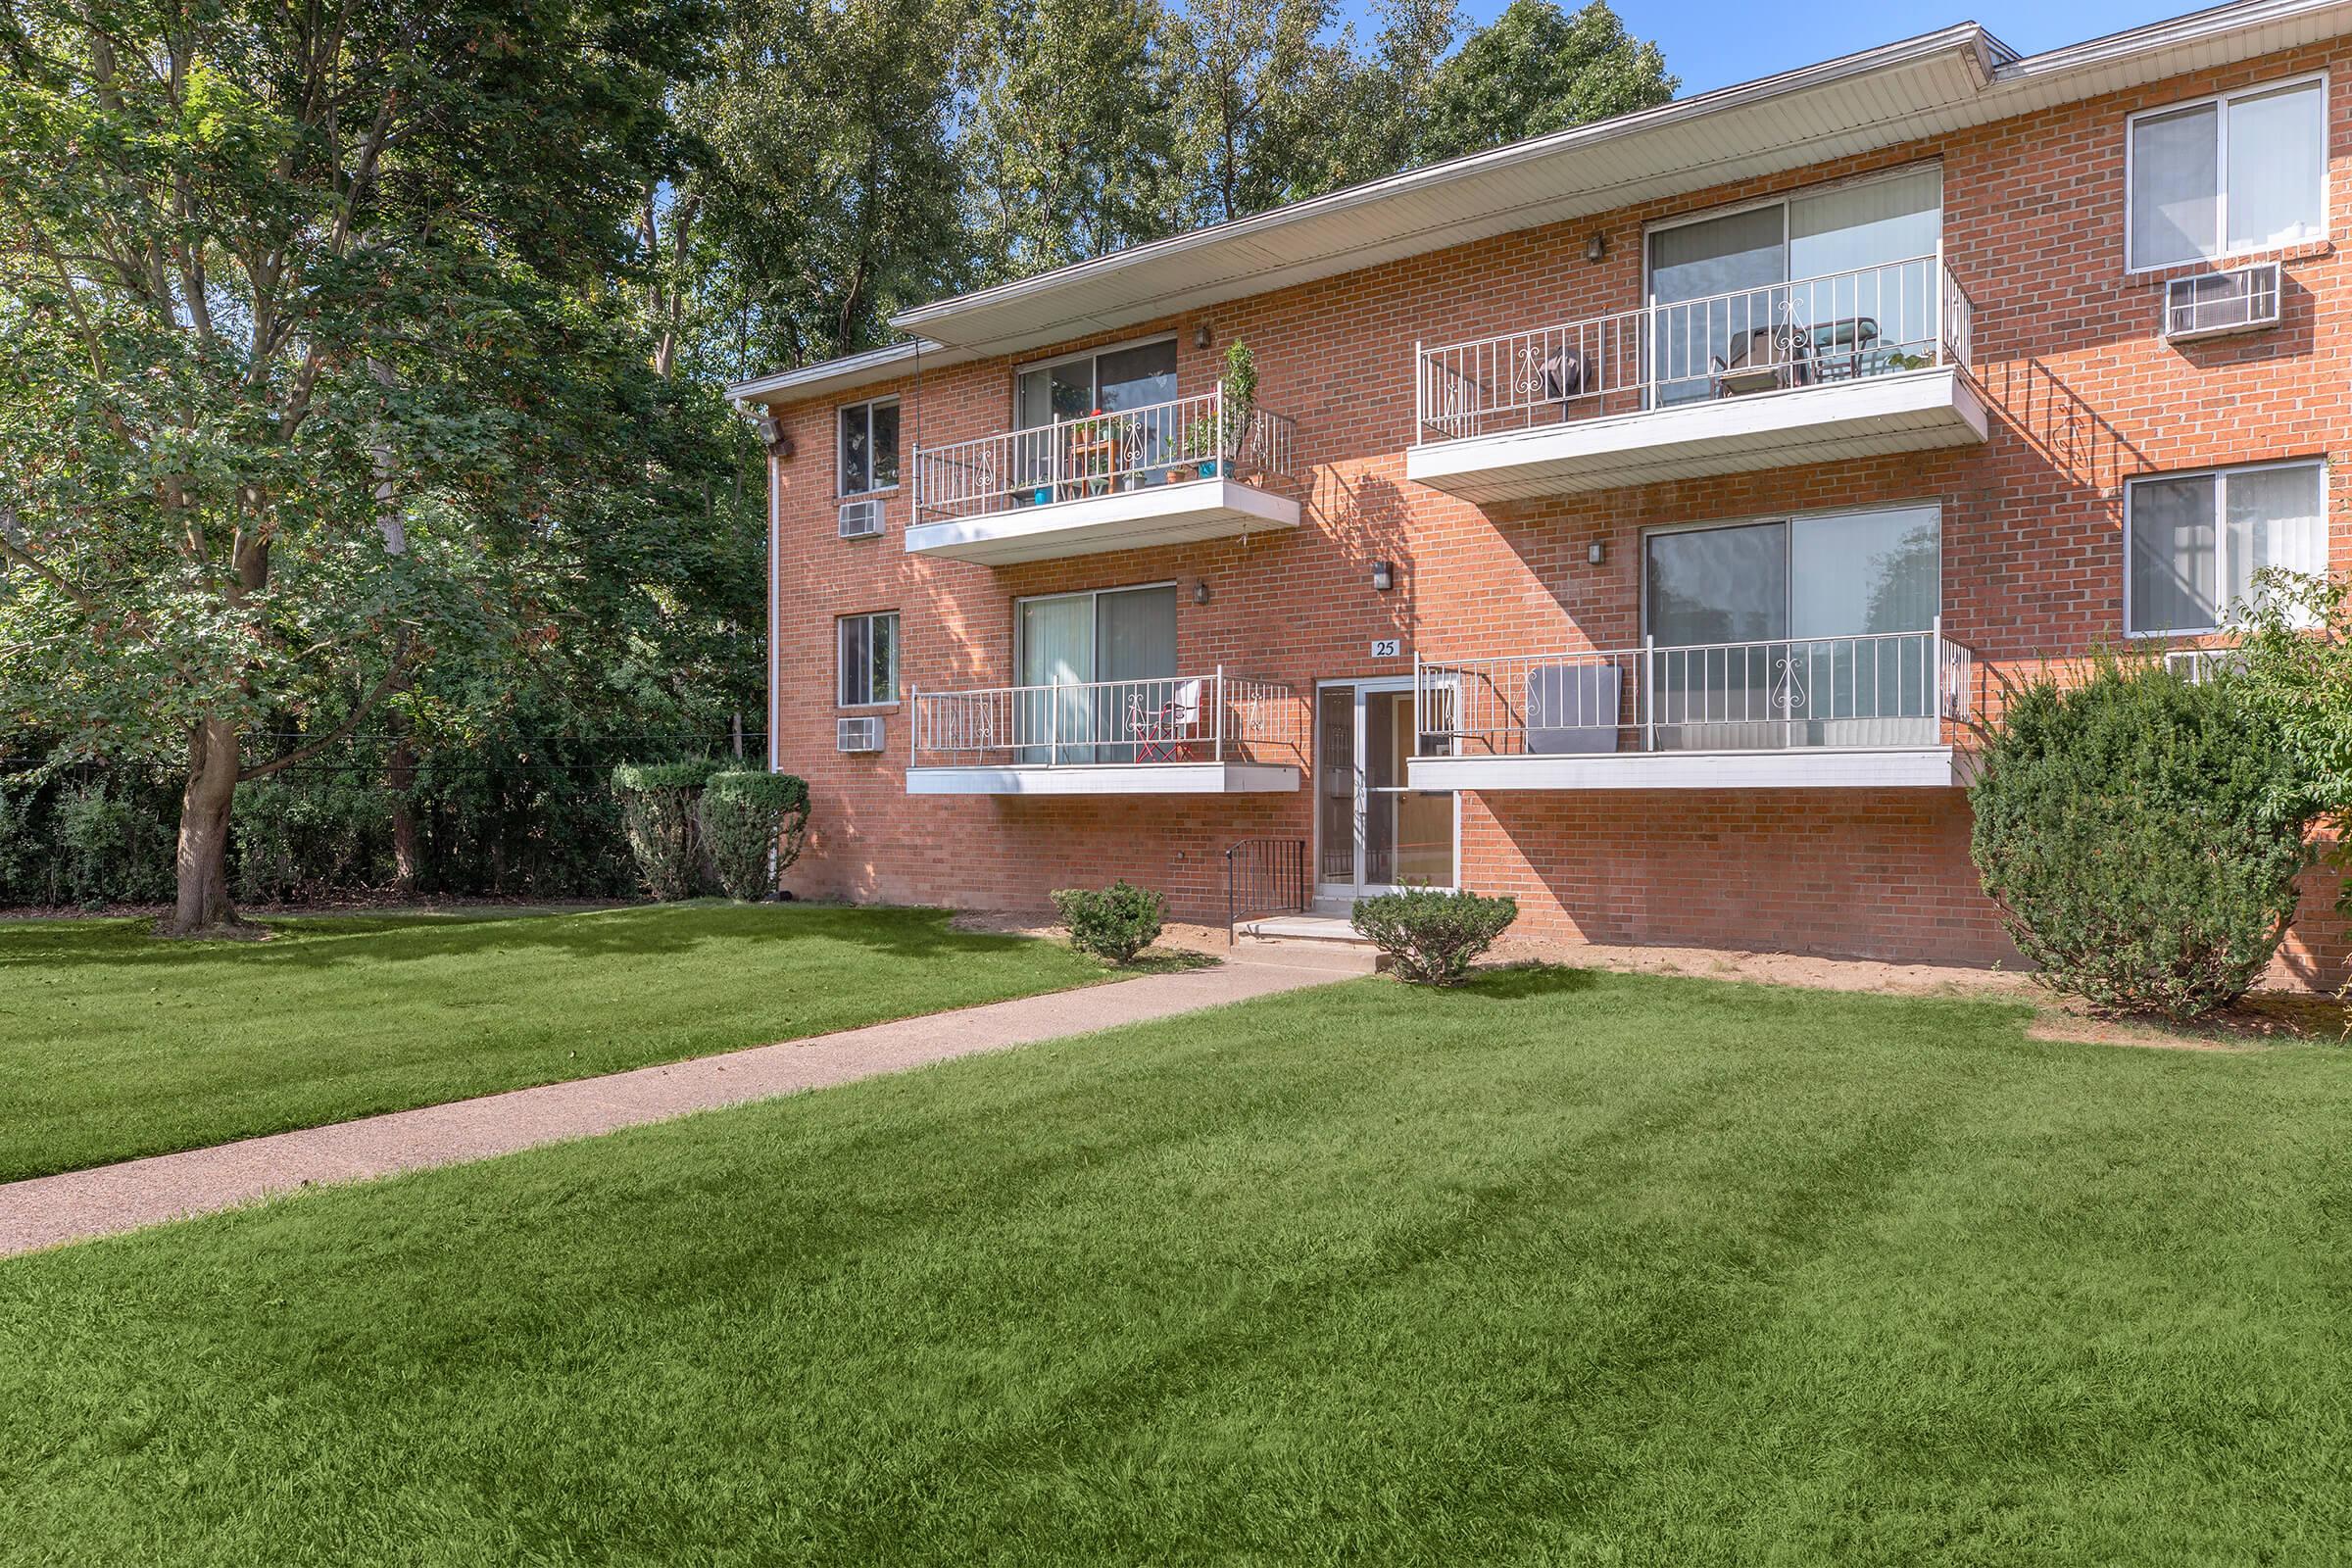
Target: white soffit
1932,85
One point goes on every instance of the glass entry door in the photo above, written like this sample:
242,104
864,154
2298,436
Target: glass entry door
1375,833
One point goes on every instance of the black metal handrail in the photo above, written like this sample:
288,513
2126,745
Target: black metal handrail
1265,876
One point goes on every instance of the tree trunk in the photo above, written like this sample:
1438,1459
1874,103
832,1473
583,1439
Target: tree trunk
400,777
204,907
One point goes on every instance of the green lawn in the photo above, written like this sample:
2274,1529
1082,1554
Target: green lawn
113,1045
1561,1269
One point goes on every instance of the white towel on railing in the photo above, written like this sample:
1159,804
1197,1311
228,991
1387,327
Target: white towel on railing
1184,707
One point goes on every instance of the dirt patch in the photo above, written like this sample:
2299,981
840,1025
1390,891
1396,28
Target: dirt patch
1208,938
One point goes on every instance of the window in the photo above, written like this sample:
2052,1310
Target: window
869,660
1807,631
1852,267
2194,541
1839,574
1135,376
2247,171
869,446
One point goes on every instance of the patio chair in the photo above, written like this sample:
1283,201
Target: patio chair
1764,361
1166,733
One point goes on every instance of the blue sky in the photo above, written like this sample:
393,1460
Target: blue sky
1713,43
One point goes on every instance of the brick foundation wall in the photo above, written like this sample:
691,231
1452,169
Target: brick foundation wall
2083,391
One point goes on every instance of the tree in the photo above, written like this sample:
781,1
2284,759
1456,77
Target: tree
828,188
1534,69
1068,148
285,289
1261,104
2293,662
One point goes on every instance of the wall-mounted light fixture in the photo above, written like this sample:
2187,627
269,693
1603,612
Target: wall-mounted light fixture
1200,594
1202,336
1384,576
1596,248
1595,552
771,434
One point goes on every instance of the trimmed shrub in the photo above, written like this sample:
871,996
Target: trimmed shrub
1116,923
2141,836
745,818
1430,938
659,803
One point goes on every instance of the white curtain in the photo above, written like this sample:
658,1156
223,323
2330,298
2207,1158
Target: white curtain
2276,166
1866,224
1057,650
2174,215
1865,573
2275,517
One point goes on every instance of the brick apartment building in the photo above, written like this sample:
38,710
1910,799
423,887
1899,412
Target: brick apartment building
1630,519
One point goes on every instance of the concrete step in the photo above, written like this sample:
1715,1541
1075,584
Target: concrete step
1333,928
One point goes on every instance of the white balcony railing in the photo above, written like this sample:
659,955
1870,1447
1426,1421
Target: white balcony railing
1815,331
1199,437
1166,719
1888,689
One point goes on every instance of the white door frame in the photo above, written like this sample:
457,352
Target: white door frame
1358,887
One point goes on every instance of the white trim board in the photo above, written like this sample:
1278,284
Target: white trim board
1125,519
1108,778
1915,411
1819,767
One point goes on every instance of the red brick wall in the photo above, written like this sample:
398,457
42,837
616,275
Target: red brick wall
2083,393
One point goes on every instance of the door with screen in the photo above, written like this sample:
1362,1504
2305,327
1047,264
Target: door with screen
1375,832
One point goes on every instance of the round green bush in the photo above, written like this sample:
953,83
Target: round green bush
1432,938
2141,836
752,826
1115,922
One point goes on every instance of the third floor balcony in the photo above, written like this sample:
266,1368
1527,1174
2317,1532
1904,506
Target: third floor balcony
1844,365
1196,467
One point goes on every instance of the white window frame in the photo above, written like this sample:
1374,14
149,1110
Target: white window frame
2220,530
841,673
2221,172
840,453
1093,356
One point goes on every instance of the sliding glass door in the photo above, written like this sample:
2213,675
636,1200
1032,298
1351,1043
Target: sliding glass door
1800,631
1838,282
1070,643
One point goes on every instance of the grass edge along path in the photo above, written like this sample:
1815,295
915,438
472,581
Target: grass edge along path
114,1046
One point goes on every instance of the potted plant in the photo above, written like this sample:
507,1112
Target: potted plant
1200,448
1240,386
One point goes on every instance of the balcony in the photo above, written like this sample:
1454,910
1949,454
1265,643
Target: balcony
1214,734
1167,473
1845,366
1861,712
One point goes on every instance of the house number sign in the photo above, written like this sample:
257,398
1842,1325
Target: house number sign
1387,647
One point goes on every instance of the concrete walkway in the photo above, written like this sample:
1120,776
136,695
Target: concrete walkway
111,1199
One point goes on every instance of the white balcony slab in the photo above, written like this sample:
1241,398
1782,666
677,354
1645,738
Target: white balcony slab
1125,519
1109,778
1915,411
1806,768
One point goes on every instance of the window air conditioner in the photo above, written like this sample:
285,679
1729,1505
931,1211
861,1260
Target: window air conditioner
859,734
2244,299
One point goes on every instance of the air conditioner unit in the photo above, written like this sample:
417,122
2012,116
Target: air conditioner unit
857,734
2197,665
2244,299
861,519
